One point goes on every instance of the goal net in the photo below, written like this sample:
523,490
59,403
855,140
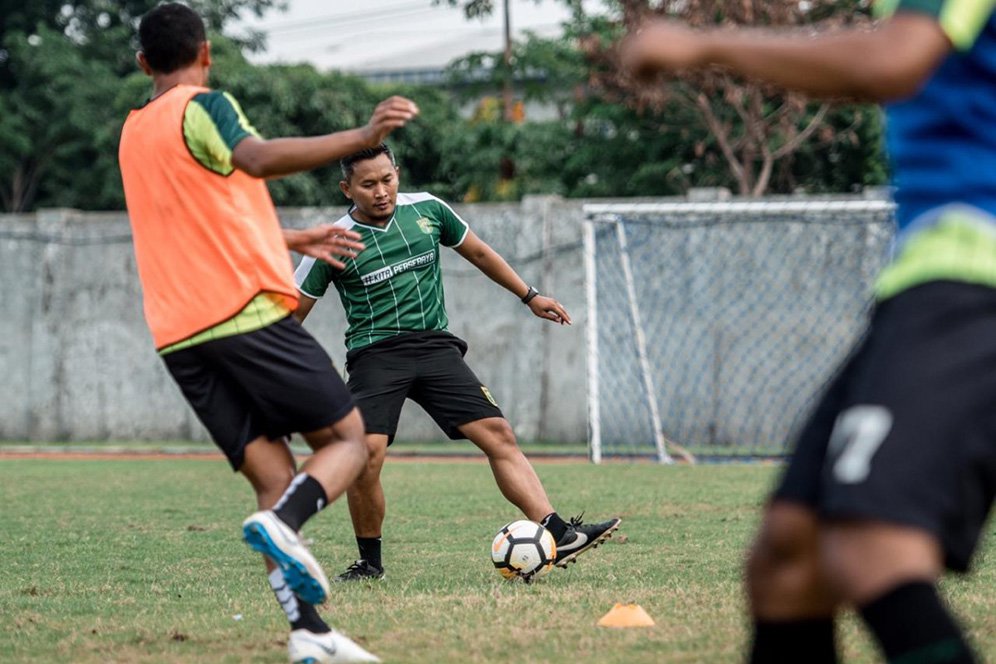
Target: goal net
712,327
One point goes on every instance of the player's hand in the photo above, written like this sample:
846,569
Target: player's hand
325,242
550,309
390,114
662,46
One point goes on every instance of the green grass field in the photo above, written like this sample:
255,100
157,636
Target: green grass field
141,561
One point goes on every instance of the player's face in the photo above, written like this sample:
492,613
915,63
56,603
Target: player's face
373,188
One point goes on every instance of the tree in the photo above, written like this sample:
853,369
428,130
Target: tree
49,116
68,78
298,100
754,126
62,67
706,129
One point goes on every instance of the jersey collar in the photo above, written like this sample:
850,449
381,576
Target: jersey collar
382,229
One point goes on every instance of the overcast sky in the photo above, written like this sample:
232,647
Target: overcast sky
357,35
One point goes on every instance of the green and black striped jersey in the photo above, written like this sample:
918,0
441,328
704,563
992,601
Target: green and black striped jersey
393,286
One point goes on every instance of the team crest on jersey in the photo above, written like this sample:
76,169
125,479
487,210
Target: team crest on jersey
487,393
425,225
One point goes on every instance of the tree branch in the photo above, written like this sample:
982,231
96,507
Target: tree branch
793,143
721,134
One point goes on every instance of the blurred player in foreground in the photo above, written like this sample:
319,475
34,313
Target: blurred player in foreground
399,348
894,475
218,296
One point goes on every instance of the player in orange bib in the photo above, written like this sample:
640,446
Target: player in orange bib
218,295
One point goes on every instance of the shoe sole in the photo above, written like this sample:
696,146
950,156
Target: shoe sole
341,649
573,557
305,582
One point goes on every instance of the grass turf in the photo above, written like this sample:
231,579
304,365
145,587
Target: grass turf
141,561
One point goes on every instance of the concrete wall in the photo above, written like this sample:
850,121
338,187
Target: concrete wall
78,361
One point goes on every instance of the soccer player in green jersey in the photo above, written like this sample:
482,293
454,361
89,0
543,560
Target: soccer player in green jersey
399,347
893,477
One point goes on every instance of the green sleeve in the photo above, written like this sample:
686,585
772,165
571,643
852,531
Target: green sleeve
313,277
452,229
213,124
961,20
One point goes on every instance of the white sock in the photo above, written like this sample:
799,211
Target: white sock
286,597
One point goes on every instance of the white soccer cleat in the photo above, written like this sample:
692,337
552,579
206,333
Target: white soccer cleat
265,533
332,648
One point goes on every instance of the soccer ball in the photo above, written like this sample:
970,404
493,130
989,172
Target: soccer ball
523,550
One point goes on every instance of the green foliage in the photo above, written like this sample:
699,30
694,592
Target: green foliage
471,8
297,100
849,155
68,79
103,29
53,131
66,83
422,146
549,71
613,147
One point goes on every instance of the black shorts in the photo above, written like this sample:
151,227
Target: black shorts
906,433
272,382
426,367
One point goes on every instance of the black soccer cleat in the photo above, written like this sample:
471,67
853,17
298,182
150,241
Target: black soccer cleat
361,570
581,537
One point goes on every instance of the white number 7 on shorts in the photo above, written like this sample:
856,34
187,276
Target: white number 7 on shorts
857,435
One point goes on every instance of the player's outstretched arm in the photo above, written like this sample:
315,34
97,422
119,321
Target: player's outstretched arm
487,260
889,62
284,156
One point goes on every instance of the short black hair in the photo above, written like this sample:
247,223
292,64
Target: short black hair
170,36
348,162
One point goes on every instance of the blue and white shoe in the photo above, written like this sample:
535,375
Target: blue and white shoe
265,533
332,647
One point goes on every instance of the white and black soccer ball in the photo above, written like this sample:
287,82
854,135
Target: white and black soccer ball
523,550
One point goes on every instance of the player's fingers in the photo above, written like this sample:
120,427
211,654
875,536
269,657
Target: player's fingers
389,125
330,233
397,105
549,315
345,252
346,243
393,117
346,233
407,108
333,261
560,311
385,127
400,102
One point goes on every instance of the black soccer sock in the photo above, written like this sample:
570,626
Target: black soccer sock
304,498
810,640
555,525
370,550
310,620
912,624
300,615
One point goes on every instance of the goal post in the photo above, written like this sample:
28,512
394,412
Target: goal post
713,327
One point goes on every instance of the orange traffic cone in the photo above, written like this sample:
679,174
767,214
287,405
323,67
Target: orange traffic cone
626,615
